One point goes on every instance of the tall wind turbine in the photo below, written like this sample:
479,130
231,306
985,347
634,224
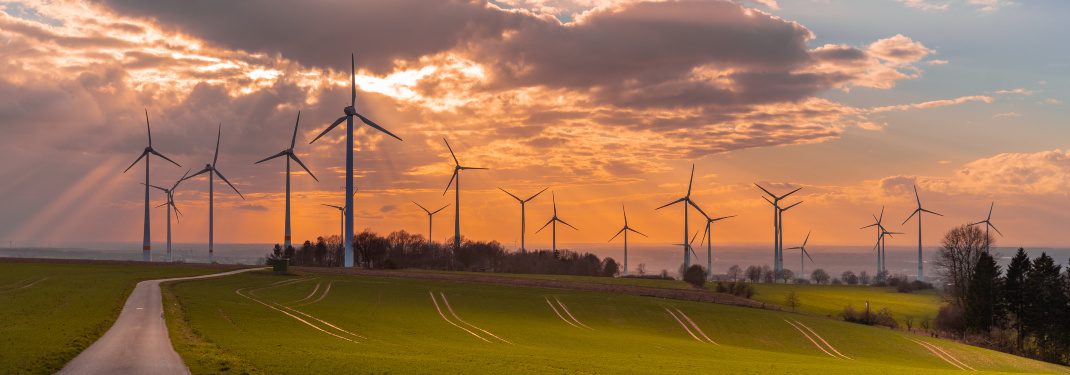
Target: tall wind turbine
709,244
430,219
778,236
988,224
802,266
687,202
523,224
146,244
171,206
457,168
880,239
919,211
350,112
554,220
625,230
211,170
289,154
342,214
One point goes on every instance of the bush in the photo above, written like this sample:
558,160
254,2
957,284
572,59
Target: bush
950,319
737,288
695,275
883,317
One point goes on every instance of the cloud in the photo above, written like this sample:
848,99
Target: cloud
934,103
1046,172
1006,114
1052,101
923,5
989,6
936,62
1015,91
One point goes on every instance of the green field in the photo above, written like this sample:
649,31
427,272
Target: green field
829,300
632,281
51,312
249,323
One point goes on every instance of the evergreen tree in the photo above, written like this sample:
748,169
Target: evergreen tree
982,306
1014,290
1047,303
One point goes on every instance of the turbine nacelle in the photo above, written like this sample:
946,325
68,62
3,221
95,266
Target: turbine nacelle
350,111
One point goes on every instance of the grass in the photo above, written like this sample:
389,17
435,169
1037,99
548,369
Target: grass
46,324
631,281
401,332
829,300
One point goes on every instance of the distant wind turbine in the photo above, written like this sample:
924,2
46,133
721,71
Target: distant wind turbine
880,238
919,211
457,168
289,154
687,245
430,219
802,266
709,244
146,244
687,202
988,224
211,170
523,223
778,229
554,220
342,217
350,112
171,205
625,230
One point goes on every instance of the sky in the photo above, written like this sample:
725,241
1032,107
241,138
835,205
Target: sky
606,102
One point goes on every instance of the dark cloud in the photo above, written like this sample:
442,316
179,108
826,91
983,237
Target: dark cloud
251,207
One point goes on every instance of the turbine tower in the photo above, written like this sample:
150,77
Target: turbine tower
289,154
880,239
171,206
778,237
212,171
146,244
457,168
342,214
709,244
625,230
350,111
554,220
919,211
687,201
988,224
523,224
802,266
430,219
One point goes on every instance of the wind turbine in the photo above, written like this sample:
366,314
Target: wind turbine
709,244
687,200
523,224
289,154
988,224
430,218
212,171
146,244
778,236
342,214
687,245
350,111
625,230
802,267
554,220
457,168
171,205
919,211
880,239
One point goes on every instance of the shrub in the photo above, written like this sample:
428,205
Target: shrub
695,275
883,317
737,288
949,319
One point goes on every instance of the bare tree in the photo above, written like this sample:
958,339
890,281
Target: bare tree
640,269
960,250
820,276
925,323
909,320
792,300
849,278
735,273
863,278
754,274
768,276
786,275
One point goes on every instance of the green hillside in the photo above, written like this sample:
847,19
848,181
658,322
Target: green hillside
317,323
829,300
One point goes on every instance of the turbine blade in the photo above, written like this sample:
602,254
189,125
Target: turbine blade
294,156
979,222
770,202
511,195
376,126
271,157
217,137
293,140
722,218
443,208
808,255
329,128
455,162
175,186
451,182
786,208
135,161
353,79
422,207
228,183
882,215
691,180
332,206
635,231
164,190
147,126
177,212
536,194
931,212
164,157
618,233
704,233
670,204
793,248
911,215
569,225
164,204
994,228
544,225
916,196
471,168
786,195
692,203
763,189
209,169
871,225
807,239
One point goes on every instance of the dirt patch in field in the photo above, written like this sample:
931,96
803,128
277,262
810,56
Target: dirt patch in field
698,295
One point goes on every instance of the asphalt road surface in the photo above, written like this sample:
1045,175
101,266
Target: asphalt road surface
137,343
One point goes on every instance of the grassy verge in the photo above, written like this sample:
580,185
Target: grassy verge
200,356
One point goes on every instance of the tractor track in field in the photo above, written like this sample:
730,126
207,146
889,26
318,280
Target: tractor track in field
698,295
939,352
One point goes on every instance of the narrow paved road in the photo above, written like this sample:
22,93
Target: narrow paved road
137,343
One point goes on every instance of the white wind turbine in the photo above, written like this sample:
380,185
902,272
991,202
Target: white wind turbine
988,224
554,220
430,220
709,244
687,202
289,154
171,206
523,220
625,230
919,211
457,168
802,265
146,244
778,226
350,112
211,170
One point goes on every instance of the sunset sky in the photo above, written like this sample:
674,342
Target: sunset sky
604,101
